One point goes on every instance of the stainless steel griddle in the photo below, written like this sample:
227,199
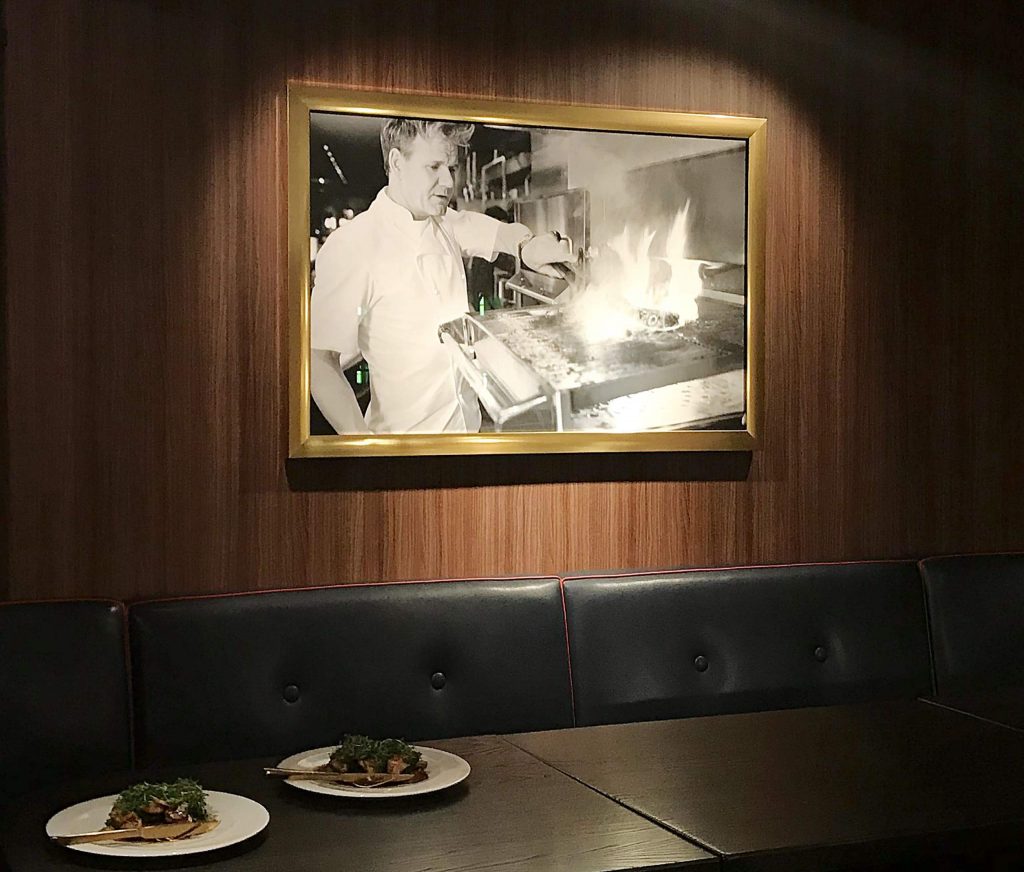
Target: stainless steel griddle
534,370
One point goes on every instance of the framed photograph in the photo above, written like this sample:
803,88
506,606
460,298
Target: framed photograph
469,276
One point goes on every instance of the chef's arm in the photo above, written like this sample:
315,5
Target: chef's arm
509,236
483,236
539,253
333,393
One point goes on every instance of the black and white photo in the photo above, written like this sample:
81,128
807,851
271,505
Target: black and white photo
473,275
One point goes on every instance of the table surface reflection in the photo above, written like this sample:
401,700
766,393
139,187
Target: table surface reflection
512,813
814,788
864,786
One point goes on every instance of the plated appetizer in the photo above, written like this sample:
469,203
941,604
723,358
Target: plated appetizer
365,768
146,804
360,761
152,812
361,754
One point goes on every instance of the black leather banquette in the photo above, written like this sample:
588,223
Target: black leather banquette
269,673
697,642
976,615
224,677
63,692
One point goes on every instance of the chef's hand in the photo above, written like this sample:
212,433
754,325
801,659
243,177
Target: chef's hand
550,254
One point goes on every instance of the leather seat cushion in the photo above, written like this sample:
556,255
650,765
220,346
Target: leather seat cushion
274,673
701,642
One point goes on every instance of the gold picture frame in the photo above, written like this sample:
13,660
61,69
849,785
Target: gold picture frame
720,141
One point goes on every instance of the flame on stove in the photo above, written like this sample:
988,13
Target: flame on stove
625,280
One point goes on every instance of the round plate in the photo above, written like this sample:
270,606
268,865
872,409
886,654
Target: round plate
443,770
239,818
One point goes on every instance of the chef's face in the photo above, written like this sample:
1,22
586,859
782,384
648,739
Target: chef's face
422,179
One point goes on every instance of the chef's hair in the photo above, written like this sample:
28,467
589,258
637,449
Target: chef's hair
400,132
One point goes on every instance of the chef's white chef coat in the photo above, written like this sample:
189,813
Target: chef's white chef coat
384,283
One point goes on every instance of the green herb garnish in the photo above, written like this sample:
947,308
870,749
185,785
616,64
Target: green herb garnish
361,753
185,794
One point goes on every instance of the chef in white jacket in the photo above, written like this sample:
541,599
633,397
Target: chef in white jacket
387,279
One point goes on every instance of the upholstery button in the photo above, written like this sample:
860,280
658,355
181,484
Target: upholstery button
291,693
821,654
700,663
437,680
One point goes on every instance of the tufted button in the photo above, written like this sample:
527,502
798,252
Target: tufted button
437,680
821,654
291,693
700,663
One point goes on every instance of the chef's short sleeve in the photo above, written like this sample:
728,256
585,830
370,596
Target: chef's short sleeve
340,296
474,232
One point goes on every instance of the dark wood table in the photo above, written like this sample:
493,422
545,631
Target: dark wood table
1004,706
512,813
818,788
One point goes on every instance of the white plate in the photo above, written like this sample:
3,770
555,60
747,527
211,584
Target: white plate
239,818
443,770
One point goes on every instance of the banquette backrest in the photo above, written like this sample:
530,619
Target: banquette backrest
976,616
64,709
221,677
697,642
260,674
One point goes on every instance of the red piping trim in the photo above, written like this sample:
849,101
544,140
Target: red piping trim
73,599
924,560
201,596
568,652
644,572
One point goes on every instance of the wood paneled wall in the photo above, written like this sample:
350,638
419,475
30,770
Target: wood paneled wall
146,299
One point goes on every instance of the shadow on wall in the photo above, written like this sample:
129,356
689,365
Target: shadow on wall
892,249
394,473
900,244
916,108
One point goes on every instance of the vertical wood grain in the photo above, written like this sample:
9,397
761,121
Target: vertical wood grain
5,452
146,299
